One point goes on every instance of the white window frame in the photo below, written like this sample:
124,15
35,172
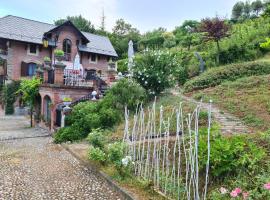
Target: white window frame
90,59
32,54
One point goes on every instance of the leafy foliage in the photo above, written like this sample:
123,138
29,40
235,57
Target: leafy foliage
216,76
96,154
89,117
9,96
80,22
124,93
97,138
154,70
231,155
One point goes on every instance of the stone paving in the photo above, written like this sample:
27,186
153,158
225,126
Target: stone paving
229,123
36,168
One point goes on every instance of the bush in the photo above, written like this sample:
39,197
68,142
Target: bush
124,93
122,65
116,153
9,96
70,134
230,155
155,70
97,138
96,154
216,76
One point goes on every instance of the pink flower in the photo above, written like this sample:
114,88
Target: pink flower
234,193
238,190
223,190
267,186
245,195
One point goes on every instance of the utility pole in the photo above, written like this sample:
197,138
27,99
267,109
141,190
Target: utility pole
102,27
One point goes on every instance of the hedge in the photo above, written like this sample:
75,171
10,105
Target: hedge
216,76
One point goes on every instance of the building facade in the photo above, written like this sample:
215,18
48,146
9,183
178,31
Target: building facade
24,44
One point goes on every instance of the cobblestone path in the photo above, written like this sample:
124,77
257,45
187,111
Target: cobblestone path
35,168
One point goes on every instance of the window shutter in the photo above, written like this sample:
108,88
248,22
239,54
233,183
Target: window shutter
24,69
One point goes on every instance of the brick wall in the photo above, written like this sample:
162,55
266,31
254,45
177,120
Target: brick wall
17,53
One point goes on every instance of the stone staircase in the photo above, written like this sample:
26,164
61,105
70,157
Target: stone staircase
229,123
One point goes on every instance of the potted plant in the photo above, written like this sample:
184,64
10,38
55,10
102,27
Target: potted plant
59,54
67,101
47,60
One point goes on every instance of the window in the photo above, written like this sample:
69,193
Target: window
67,49
93,58
28,69
67,46
32,50
32,69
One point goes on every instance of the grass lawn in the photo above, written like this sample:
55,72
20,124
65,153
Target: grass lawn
246,98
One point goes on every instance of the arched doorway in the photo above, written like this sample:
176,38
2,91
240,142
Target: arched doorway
47,109
37,108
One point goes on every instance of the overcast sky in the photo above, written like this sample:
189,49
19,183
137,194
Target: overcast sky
142,14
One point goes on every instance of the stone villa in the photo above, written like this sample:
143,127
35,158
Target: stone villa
23,45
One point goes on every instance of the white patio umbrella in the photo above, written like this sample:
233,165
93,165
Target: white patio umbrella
130,56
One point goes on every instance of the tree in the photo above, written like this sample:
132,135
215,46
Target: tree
80,22
238,10
247,10
29,91
257,6
123,32
215,29
186,33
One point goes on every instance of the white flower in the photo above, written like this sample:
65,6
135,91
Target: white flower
126,160
223,190
145,82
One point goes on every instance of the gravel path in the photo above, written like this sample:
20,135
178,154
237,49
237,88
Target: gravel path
35,168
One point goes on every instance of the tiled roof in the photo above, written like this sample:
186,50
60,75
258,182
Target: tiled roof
26,30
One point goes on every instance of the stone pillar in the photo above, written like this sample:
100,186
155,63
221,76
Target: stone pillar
45,76
59,73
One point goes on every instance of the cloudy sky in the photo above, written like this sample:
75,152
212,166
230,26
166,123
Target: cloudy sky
142,14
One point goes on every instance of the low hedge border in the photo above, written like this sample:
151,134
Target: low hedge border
215,76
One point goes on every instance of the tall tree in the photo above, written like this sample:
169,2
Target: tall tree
247,10
237,10
186,33
257,6
80,22
215,29
122,33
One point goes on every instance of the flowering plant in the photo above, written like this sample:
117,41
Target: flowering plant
154,70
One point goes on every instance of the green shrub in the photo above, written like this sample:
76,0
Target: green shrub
231,155
96,154
97,138
116,153
122,65
9,96
124,93
216,76
71,133
155,71
59,52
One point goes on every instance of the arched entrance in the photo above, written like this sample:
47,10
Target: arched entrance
37,108
47,102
